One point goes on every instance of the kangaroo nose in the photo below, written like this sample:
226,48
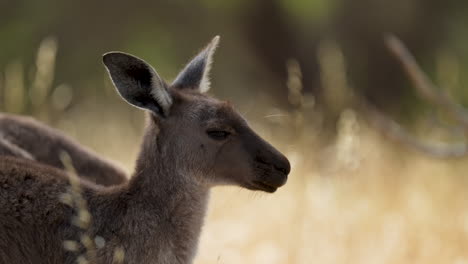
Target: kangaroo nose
284,166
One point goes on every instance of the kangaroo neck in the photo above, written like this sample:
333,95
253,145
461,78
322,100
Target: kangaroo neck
165,206
159,174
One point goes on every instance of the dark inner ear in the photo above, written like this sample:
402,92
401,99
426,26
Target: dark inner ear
142,75
148,103
142,96
138,83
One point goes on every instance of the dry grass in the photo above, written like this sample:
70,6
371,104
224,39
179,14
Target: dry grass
390,208
359,200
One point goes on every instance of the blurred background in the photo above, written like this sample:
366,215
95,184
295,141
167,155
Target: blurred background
378,167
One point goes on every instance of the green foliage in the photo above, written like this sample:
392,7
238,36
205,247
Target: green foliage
227,5
309,11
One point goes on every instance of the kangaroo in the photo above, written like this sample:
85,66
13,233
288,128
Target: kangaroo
192,143
27,138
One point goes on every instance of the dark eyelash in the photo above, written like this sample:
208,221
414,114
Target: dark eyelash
218,134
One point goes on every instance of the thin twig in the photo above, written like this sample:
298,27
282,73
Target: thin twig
396,132
429,92
423,85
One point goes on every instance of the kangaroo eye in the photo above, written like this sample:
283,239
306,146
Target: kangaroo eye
218,134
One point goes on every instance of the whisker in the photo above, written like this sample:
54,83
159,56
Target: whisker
275,115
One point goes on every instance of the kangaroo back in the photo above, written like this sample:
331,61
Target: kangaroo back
27,138
29,202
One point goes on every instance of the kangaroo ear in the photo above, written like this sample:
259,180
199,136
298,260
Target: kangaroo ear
195,74
138,83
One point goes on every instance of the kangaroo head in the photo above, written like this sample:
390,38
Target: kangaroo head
205,138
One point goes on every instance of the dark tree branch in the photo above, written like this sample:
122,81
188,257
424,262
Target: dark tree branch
396,132
429,92
422,84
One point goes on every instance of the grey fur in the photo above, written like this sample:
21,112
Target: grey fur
158,215
196,74
28,138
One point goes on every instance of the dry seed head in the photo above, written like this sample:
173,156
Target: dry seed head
119,255
71,172
70,245
45,68
294,83
82,260
66,198
79,201
99,241
85,216
78,222
67,163
87,241
14,88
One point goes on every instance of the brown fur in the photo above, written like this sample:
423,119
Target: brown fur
27,138
157,216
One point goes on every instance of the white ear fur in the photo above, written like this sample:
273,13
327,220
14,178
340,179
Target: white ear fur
195,75
160,94
205,83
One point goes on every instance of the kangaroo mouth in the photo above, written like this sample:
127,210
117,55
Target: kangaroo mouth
264,186
268,178
269,185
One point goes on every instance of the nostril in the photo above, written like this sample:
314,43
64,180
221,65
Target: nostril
261,160
283,166
283,170
280,165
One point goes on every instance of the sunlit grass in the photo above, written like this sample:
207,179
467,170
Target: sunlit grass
393,207
378,204
358,199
